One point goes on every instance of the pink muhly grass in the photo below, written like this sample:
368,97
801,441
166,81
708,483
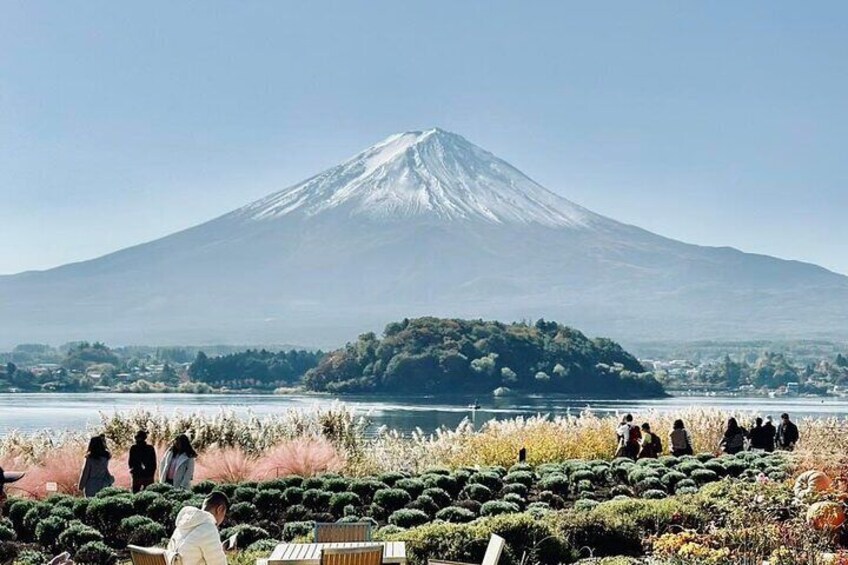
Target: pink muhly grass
304,457
226,465
61,465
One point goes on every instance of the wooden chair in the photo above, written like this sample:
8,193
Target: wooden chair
491,557
369,555
335,532
147,555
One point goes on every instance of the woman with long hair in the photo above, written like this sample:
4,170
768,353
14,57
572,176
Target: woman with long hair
95,475
734,438
679,439
177,466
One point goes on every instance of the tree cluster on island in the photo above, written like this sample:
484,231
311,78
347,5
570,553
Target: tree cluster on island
438,355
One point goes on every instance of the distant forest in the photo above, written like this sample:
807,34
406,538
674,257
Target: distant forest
436,355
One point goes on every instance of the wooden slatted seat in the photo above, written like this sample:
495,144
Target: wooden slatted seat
147,555
345,532
371,555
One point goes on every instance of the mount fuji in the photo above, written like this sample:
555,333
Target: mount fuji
422,223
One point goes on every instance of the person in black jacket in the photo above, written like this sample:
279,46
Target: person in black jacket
762,438
787,433
142,462
771,432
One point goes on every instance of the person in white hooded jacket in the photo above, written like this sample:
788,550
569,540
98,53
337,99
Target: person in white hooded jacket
196,540
177,467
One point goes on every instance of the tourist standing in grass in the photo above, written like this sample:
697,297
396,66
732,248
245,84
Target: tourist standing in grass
762,439
734,438
177,466
142,462
771,432
95,474
196,540
628,436
679,440
787,433
651,444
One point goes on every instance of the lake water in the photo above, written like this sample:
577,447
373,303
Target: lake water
30,412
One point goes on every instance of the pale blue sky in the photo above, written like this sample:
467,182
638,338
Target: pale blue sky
717,123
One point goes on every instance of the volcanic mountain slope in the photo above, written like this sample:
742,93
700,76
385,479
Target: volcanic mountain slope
422,223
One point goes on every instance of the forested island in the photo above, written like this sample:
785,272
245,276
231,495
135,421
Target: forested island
438,355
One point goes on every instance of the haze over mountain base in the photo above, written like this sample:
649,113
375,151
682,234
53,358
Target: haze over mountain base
424,223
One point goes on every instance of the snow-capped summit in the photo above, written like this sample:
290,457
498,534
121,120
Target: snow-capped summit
425,173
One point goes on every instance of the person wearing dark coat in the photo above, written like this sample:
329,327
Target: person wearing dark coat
734,438
142,462
787,433
95,475
771,432
761,437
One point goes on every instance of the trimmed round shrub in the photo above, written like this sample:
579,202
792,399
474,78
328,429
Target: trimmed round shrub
516,499
425,504
441,498
142,501
650,483
312,483
515,488
668,460
716,467
245,494
296,513
548,468
476,491
163,511
112,491
621,490
140,530
203,487
639,473
270,504
266,546
48,530
31,557
585,485
7,533
448,483
499,470
521,467
735,467
704,457
165,488
341,499
538,509
34,515
496,507
77,535
556,483
80,508
685,483
293,495
17,510
241,512
670,479
553,500
335,484
704,476
298,529
654,494
469,504
247,534
588,494
436,471
391,477
583,475
687,466
524,478
408,518
585,504
413,486
685,489
106,514
95,553
366,488
490,480
316,500
392,499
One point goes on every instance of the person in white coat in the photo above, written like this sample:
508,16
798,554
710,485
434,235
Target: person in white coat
177,466
196,540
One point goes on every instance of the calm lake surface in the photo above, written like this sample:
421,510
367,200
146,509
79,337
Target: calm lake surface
31,412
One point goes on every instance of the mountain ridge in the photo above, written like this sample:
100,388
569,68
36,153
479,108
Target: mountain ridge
422,223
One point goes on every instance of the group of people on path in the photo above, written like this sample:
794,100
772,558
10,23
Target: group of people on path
176,467
639,442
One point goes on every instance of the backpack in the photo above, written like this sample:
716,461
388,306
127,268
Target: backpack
656,444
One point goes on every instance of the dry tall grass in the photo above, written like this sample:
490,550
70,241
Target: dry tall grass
316,441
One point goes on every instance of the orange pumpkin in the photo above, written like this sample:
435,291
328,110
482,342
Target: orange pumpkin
811,482
826,515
